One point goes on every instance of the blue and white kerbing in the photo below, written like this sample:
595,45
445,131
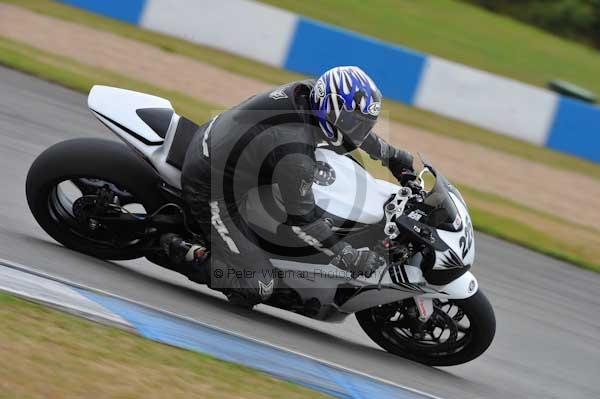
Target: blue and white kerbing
185,333
347,103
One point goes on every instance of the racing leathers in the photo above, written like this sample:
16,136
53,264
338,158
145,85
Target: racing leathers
269,139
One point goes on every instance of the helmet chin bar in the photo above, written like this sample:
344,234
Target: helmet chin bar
341,146
340,139
344,148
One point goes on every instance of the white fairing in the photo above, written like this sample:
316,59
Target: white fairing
461,288
116,108
354,194
120,105
462,242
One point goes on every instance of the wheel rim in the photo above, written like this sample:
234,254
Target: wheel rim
65,208
447,331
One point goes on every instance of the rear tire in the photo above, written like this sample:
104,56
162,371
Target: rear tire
90,158
481,334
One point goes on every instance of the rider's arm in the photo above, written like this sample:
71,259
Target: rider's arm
395,159
294,176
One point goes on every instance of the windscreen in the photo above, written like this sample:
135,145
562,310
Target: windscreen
443,214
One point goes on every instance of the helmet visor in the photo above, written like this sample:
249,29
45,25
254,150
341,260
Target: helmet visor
353,124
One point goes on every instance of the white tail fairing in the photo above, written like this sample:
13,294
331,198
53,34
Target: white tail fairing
118,109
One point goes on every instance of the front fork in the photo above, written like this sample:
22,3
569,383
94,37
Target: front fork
424,307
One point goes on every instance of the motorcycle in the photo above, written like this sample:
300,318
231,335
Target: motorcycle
114,201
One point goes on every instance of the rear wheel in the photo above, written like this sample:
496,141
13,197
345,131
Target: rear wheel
458,331
73,182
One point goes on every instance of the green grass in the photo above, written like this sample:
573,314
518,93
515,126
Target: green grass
508,224
49,354
519,232
463,33
515,222
412,116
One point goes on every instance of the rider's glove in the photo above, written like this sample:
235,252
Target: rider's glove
411,180
357,262
399,163
408,177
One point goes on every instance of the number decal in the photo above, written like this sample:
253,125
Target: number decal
466,241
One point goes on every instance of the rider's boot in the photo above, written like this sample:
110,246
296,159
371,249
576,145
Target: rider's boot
184,253
193,257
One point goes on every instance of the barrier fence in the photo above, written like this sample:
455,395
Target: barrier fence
283,39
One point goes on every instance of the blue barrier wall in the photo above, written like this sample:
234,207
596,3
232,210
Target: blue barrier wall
317,47
576,129
124,10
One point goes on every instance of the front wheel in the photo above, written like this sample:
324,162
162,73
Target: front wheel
458,331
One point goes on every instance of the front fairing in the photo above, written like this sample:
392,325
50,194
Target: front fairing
454,252
445,229
460,243
454,228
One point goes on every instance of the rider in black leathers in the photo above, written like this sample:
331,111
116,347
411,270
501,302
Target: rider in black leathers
270,139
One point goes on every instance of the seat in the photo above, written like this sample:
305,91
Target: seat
158,119
183,136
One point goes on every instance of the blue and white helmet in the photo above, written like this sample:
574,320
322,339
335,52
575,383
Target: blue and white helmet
346,103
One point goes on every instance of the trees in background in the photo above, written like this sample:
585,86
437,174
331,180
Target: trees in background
574,19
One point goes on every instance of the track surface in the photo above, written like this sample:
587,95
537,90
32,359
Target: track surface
548,313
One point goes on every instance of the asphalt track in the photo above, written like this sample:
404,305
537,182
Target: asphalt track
548,313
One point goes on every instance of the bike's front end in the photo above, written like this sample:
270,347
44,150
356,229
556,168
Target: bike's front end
430,248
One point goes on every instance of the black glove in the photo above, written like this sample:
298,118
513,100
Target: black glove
411,180
400,163
357,262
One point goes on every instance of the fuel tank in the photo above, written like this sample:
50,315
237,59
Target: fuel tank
348,195
347,192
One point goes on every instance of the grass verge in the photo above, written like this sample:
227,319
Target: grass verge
577,244
81,78
530,228
535,230
49,354
401,113
464,33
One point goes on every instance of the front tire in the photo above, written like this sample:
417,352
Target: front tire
389,331
97,160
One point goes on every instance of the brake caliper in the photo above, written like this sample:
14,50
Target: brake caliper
88,206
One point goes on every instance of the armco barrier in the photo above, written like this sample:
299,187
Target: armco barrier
283,39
